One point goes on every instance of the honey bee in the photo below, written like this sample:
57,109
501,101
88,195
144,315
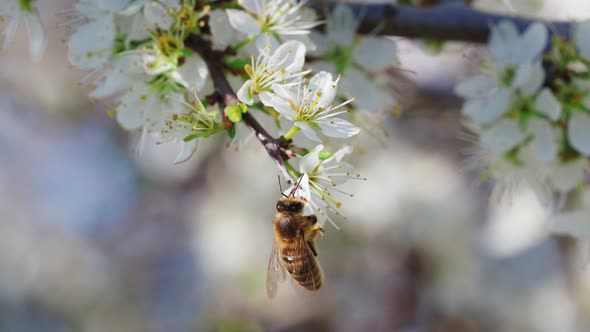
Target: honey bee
293,247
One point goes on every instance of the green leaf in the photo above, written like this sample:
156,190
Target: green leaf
231,132
234,112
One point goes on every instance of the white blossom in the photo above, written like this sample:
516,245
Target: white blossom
310,106
320,181
26,10
515,71
286,19
508,47
281,66
186,127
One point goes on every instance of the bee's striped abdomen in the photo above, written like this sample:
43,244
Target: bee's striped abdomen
303,267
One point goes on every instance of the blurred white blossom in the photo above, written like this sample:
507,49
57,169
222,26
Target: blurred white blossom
25,10
360,60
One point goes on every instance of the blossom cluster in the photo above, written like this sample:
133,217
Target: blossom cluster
166,66
530,108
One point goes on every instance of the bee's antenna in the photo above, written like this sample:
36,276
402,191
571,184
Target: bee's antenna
281,187
292,193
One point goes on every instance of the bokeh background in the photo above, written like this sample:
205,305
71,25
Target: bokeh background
97,237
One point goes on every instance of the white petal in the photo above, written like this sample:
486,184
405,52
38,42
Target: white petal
338,128
307,130
303,190
134,26
341,26
340,154
573,223
129,117
221,29
254,6
529,78
375,53
266,97
37,39
193,72
581,35
476,86
125,71
243,22
174,4
502,136
503,40
285,92
186,151
311,160
321,83
356,84
566,176
113,83
265,43
322,46
485,110
156,14
91,45
136,106
133,8
547,104
9,32
579,132
534,41
280,105
244,93
543,147
318,66
290,56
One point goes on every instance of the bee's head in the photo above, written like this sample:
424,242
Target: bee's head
290,205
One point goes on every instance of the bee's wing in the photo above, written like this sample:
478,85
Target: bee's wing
275,273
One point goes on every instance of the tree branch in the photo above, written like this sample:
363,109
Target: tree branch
226,96
449,20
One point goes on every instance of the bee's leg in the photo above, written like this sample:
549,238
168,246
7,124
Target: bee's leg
312,219
315,230
314,234
312,247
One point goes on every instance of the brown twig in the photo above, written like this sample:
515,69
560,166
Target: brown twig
226,96
448,20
